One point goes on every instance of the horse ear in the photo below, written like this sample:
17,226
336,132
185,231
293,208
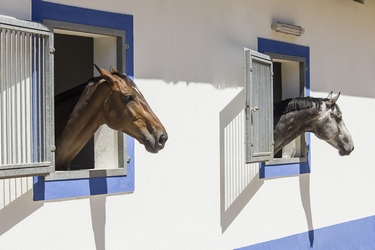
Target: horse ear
106,75
113,70
332,100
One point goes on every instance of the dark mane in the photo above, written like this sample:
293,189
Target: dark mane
295,104
75,91
65,103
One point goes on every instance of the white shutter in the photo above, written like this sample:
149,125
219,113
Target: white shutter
259,106
26,104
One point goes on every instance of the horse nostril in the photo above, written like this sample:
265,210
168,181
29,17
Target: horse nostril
162,139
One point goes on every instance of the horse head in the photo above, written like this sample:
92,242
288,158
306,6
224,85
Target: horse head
331,128
126,110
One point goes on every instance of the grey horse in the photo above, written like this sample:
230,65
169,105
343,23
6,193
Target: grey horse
321,116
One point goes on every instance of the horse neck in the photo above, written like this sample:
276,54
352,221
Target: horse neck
85,119
289,126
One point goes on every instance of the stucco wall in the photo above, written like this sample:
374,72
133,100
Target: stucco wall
189,66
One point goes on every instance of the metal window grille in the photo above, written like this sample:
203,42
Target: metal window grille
26,91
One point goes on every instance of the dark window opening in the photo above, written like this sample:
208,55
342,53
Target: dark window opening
74,58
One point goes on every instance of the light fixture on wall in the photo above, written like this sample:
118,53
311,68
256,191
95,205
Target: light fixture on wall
288,28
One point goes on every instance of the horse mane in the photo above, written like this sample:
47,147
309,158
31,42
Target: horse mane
296,104
75,91
65,103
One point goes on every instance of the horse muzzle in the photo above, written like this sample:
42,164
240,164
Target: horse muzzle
343,151
156,141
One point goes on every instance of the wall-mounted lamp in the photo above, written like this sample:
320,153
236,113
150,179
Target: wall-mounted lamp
288,28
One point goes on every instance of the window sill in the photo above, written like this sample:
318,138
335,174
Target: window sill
82,174
278,161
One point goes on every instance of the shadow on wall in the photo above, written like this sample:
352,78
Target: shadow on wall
98,219
239,181
304,189
16,202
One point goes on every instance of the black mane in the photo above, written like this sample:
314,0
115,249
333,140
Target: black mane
75,91
65,103
295,104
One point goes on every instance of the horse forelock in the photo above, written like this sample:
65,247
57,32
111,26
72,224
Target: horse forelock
126,78
296,104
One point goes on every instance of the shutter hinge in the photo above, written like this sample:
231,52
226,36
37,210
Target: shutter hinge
52,50
127,46
247,109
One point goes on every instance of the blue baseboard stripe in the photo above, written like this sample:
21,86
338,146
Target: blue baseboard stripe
353,235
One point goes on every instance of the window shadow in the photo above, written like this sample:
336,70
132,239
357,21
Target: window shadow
98,220
304,187
98,186
239,182
16,199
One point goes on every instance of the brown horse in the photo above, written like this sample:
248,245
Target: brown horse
111,99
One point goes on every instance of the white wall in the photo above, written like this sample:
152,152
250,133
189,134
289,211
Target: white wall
188,64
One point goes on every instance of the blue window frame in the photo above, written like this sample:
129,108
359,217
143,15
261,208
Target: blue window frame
59,189
276,47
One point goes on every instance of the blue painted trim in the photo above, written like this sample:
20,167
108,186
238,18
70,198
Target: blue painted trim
356,234
59,189
52,11
62,189
282,170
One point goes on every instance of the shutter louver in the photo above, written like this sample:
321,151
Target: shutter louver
259,106
26,91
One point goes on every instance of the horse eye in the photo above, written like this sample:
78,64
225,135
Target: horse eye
338,117
128,98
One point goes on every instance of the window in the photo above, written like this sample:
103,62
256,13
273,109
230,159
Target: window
25,99
289,82
27,92
77,48
283,68
99,29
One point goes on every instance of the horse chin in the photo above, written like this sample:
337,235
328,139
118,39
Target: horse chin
343,152
150,149
149,143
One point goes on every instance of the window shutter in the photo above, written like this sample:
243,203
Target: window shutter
26,98
259,106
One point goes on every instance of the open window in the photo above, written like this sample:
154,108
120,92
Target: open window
271,78
27,89
289,74
108,30
275,72
77,48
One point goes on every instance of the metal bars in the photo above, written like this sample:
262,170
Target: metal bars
26,133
